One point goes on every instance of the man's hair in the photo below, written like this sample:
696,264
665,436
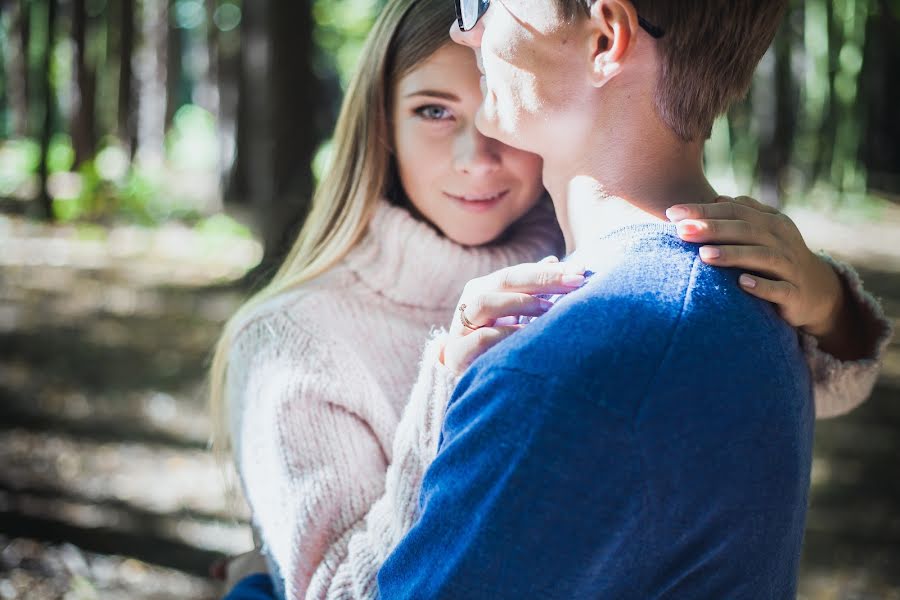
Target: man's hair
708,53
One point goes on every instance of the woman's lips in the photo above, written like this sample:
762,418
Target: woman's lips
478,202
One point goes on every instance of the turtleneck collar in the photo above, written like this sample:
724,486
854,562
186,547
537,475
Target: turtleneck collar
411,263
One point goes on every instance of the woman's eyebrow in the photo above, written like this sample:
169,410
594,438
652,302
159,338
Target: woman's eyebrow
434,94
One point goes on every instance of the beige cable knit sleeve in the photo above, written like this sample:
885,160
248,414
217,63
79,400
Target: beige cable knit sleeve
353,568
841,386
328,502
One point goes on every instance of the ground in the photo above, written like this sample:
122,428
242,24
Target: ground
108,490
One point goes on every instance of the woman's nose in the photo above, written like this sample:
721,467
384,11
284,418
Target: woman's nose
476,154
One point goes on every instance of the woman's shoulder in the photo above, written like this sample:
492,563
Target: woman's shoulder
283,315
273,326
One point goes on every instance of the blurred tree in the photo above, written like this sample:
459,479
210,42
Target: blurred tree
84,130
4,75
174,56
880,91
127,122
150,82
277,136
17,69
45,204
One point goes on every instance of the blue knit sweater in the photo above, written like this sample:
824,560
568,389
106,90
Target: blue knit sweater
649,437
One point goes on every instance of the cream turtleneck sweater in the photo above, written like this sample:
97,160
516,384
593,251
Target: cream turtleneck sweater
336,410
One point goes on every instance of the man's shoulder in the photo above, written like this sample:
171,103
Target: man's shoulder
636,292
650,304
606,337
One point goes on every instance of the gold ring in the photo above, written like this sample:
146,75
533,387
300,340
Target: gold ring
465,321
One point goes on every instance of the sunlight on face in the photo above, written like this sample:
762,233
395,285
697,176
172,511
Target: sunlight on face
472,188
531,57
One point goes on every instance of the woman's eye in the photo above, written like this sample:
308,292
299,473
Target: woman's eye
433,112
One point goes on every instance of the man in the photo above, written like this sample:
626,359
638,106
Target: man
651,435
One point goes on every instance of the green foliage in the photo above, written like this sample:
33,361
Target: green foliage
60,155
19,160
108,187
191,143
341,29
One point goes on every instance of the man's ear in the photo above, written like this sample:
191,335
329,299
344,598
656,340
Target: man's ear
613,29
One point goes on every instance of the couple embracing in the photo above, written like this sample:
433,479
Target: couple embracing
634,421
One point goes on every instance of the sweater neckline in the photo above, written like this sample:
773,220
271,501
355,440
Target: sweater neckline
409,262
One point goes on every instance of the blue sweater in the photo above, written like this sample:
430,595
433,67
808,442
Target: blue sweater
649,437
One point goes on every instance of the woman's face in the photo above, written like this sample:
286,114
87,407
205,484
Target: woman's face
469,186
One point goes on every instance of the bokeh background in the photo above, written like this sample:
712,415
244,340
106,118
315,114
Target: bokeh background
157,157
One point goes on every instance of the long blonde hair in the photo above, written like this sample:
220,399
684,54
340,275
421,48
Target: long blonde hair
362,170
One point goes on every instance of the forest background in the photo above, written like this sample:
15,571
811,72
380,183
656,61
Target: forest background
157,158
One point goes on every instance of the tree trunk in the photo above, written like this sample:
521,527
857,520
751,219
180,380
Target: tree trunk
4,81
173,66
23,125
127,119
255,153
45,203
276,133
16,71
296,99
83,121
150,75
776,120
881,88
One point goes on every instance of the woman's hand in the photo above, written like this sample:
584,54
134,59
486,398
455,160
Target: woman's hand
747,234
489,308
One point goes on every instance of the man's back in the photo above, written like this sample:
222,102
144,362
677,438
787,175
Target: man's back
650,436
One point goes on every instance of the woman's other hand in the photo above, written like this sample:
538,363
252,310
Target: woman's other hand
744,233
489,309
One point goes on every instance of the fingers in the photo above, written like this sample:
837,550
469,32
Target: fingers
534,278
763,259
485,309
778,292
750,203
462,351
730,210
722,231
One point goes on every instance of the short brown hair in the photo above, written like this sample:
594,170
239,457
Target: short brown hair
709,51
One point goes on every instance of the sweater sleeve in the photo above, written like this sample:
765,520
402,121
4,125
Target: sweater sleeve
353,565
314,472
840,386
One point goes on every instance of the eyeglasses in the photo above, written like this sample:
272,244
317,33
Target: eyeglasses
469,12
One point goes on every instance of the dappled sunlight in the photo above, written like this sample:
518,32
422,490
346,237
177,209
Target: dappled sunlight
105,335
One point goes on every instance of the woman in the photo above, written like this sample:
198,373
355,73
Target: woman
331,422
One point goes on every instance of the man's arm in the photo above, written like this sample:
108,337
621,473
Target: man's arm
535,492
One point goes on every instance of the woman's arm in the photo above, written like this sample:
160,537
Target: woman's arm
395,512
844,331
842,384
328,504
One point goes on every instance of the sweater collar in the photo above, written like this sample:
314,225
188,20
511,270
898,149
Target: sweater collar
411,263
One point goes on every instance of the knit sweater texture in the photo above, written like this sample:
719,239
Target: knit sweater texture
336,395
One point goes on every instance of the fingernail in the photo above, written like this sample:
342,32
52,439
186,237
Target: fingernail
573,280
710,252
677,213
546,305
747,281
549,259
688,228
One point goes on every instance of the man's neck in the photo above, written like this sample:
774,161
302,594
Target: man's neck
628,175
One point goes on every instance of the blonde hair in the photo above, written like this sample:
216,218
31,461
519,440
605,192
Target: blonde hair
362,170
